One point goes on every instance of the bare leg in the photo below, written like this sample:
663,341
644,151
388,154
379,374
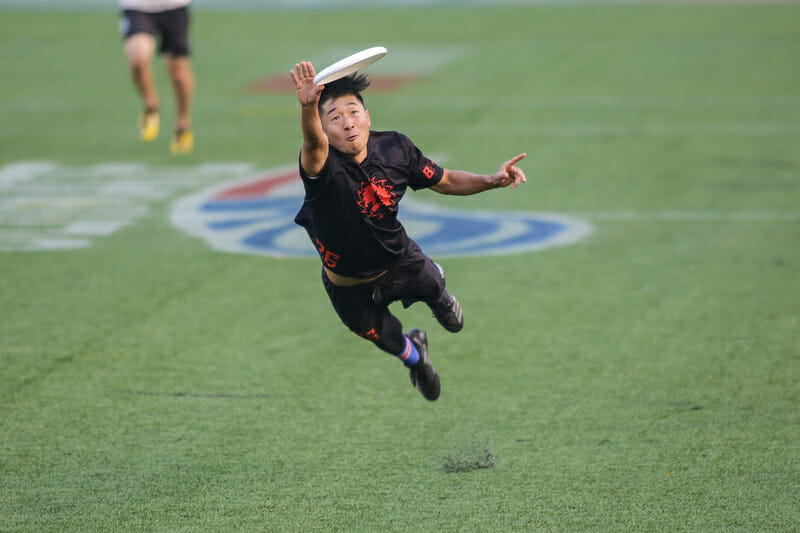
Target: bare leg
182,76
139,50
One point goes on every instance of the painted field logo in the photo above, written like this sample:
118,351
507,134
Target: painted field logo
256,215
45,206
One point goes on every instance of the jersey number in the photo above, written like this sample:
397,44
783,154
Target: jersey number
329,258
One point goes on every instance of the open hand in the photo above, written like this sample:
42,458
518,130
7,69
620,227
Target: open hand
303,79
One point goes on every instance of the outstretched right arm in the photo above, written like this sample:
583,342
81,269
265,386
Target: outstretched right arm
315,143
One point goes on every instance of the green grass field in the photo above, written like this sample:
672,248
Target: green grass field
646,378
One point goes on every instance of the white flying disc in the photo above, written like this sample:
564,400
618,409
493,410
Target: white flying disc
349,64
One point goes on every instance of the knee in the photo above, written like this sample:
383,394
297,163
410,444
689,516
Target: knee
139,49
179,69
138,66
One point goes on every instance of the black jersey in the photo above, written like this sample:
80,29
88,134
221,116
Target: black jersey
350,209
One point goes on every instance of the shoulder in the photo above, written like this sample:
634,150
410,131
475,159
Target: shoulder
335,163
389,138
153,6
391,145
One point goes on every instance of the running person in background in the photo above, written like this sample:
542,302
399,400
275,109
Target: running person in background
142,21
354,179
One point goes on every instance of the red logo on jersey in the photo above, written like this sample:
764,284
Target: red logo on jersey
376,198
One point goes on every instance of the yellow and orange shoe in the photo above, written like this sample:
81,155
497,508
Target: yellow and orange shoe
182,142
149,126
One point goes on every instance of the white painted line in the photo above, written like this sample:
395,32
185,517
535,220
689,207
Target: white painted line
45,206
604,129
59,244
260,5
605,103
15,173
32,241
690,216
94,227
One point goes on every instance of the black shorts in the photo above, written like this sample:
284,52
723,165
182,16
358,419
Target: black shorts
364,309
171,26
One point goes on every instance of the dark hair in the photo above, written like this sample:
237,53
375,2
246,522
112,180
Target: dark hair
352,84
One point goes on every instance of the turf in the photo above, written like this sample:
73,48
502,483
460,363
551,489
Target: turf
643,379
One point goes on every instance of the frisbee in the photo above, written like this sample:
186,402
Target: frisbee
349,64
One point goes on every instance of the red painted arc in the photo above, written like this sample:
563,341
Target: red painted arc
259,187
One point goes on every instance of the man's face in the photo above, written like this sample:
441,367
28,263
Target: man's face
346,123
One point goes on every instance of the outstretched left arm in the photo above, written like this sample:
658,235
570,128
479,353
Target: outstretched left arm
462,183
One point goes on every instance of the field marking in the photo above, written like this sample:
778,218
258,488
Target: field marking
606,129
218,395
15,173
690,216
44,206
510,102
256,216
613,103
261,5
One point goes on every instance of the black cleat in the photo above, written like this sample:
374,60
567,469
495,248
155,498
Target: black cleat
423,375
447,311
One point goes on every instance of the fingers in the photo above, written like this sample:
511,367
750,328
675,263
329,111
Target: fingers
512,175
308,70
303,78
303,73
517,174
519,177
514,160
